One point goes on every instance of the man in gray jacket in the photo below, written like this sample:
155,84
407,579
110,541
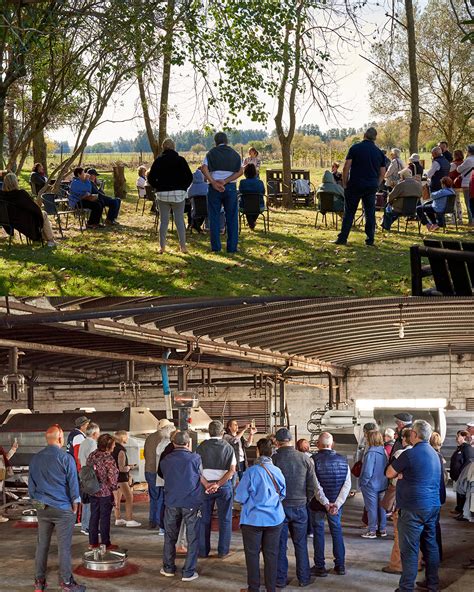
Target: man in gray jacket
301,487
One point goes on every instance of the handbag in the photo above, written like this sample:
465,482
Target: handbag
275,484
388,500
357,468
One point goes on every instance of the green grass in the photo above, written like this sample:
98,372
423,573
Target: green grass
293,258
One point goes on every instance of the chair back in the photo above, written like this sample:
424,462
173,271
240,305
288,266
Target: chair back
150,193
450,204
406,206
49,203
328,202
33,189
250,203
5,218
200,206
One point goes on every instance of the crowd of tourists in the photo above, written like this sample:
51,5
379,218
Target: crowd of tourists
288,492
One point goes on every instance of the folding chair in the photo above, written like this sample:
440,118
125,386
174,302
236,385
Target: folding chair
199,210
5,221
409,212
250,205
325,204
51,208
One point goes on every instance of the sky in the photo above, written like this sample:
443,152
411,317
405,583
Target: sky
123,117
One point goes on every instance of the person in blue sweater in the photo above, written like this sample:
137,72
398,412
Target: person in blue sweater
81,194
261,491
373,483
431,213
252,184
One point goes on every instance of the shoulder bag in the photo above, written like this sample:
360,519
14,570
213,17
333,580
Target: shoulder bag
275,484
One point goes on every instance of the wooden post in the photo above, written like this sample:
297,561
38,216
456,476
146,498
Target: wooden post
120,184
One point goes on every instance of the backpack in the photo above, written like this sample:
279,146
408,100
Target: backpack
88,479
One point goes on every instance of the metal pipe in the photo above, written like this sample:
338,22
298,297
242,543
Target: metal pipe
331,393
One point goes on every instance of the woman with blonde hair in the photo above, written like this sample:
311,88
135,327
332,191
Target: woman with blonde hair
373,483
124,489
25,216
396,165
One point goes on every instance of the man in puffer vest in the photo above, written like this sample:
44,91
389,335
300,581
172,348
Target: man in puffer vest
334,476
218,468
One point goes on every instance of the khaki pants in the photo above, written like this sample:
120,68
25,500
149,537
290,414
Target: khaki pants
47,228
395,558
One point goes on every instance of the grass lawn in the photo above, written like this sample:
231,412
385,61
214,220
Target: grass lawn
293,258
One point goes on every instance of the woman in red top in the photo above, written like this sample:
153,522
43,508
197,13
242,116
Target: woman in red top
102,502
458,159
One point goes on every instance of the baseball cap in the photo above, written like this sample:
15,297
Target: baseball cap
92,172
405,417
81,421
283,435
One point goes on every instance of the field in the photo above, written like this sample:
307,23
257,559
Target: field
293,258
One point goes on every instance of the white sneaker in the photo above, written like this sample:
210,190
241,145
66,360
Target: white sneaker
52,244
132,523
161,532
3,519
166,573
190,578
84,531
120,522
78,524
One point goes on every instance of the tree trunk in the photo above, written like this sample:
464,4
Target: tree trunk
120,184
2,126
414,85
40,153
154,145
287,201
11,131
165,80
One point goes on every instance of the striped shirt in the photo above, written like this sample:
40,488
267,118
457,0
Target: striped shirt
175,196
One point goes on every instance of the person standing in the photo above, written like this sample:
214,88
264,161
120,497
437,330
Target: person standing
363,172
171,176
120,455
465,170
418,500
402,420
334,476
150,452
76,437
86,447
235,436
6,469
102,501
218,468
222,167
181,471
301,486
261,491
445,152
54,488
462,456
439,169
373,483
392,177
388,441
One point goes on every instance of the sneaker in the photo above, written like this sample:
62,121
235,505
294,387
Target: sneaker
85,531
369,535
78,524
132,523
3,519
161,532
40,585
382,533
190,578
388,569
339,242
340,570
422,585
167,574
120,522
319,572
72,586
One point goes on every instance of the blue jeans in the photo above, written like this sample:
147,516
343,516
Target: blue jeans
85,516
223,498
352,200
338,549
228,199
113,203
157,500
172,522
296,523
376,515
415,527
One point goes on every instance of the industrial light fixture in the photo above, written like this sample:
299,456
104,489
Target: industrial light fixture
401,323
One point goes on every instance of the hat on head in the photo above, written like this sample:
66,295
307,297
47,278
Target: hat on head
92,172
414,157
470,424
283,435
369,427
81,421
164,422
405,417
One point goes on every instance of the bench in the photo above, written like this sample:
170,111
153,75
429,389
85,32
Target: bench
274,182
450,265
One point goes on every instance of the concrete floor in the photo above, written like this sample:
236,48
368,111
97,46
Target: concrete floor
365,558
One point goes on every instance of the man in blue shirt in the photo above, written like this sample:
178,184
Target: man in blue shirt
181,470
81,195
418,500
54,488
363,172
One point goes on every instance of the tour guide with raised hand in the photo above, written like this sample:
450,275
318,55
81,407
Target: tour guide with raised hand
418,501
363,172
53,486
222,167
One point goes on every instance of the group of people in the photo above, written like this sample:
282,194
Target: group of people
213,186
288,492
368,171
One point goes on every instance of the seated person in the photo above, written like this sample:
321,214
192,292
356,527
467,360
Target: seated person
38,179
409,186
141,182
431,213
26,216
80,193
198,188
252,184
415,166
329,185
336,174
113,203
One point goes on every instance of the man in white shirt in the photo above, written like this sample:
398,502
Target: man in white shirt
218,468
